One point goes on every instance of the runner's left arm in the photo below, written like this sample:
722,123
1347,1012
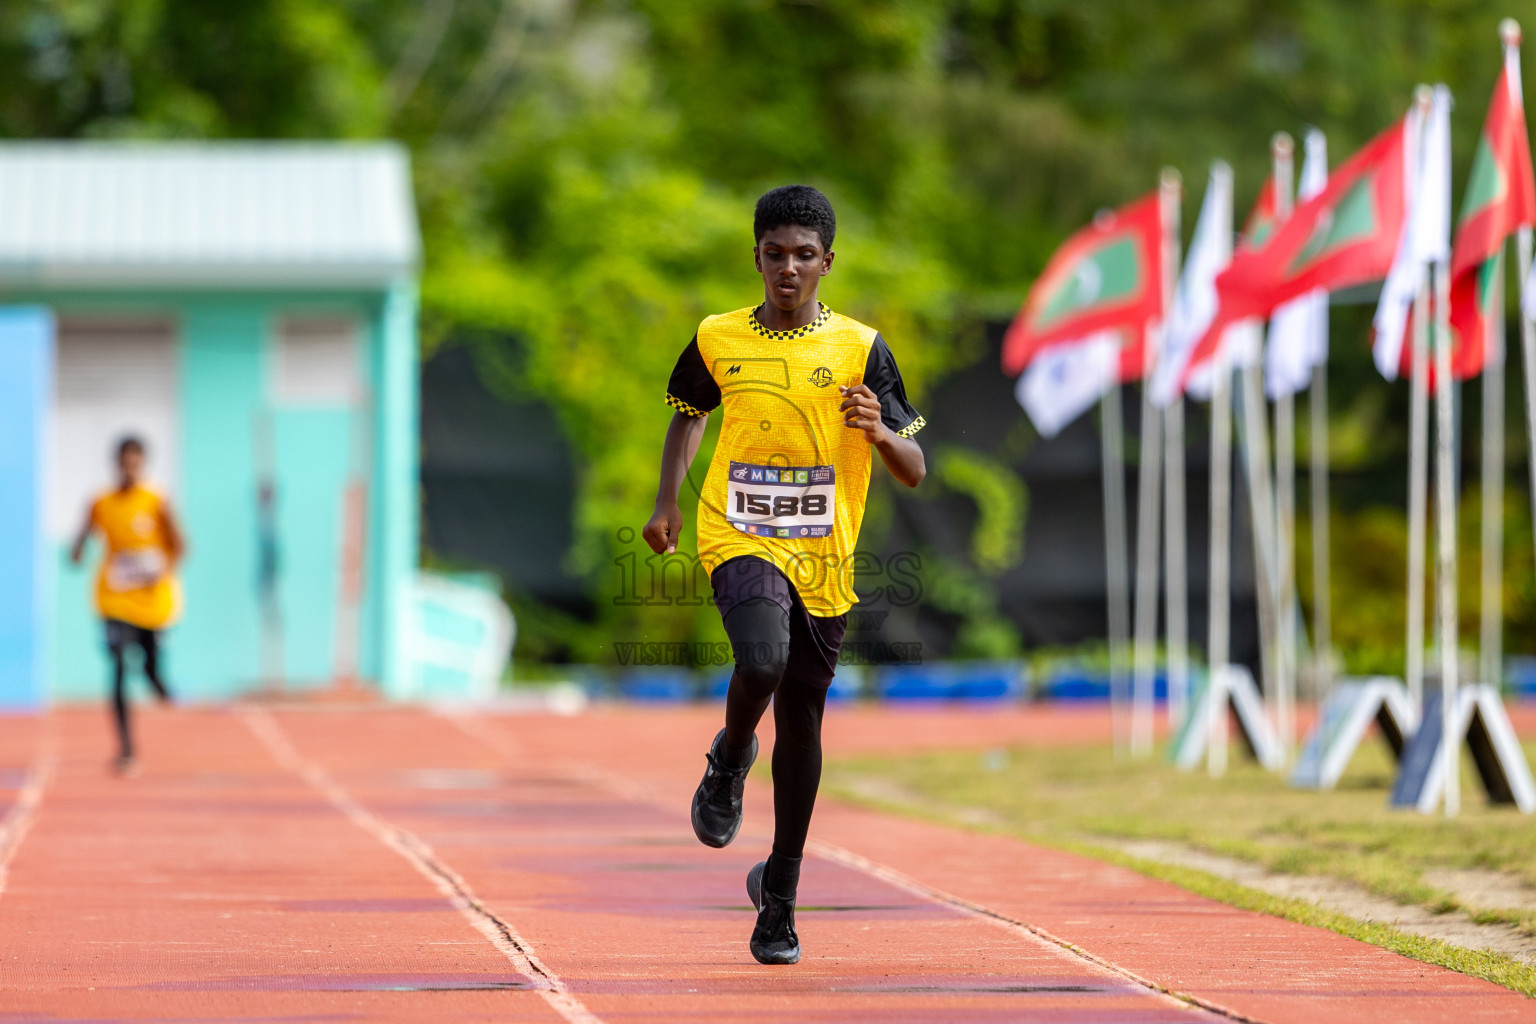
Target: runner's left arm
175,544
77,552
879,407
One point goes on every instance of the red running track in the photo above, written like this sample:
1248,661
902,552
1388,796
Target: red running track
394,864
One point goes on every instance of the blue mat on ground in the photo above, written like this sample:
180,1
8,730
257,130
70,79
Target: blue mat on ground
658,686
1078,683
846,685
1520,677
953,680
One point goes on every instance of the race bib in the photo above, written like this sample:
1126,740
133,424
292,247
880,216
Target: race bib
134,570
781,501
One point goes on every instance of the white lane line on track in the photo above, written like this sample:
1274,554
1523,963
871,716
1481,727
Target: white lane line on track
639,792
421,857
890,876
18,820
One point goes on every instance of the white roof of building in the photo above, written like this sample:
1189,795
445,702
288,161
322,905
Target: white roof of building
201,215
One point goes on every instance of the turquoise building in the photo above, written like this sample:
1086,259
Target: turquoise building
250,311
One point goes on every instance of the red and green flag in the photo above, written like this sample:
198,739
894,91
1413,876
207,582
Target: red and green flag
1345,235
1262,219
1108,276
1501,198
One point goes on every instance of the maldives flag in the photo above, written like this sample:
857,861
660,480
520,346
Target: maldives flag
1108,276
1501,197
1345,235
1262,219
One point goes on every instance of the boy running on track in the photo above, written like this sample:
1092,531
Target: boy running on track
136,592
808,395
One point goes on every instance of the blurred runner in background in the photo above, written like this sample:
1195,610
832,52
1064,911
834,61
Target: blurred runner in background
136,590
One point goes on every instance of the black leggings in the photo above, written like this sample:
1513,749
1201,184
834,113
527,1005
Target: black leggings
763,636
120,636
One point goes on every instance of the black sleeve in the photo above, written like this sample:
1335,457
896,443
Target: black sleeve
884,379
692,390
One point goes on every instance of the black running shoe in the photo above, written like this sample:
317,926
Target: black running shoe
773,939
717,801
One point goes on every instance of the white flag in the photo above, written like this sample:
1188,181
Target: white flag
1065,380
1194,302
1298,330
1426,235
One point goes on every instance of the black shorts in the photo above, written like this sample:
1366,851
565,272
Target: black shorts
814,640
125,634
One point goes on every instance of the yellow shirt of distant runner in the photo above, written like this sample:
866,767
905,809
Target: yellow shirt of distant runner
134,584
780,399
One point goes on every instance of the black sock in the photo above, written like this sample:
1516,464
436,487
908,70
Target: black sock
782,878
729,756
732,757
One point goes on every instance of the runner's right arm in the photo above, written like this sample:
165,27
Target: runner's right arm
693,392
683,436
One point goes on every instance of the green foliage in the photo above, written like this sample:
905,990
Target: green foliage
585,171
997,541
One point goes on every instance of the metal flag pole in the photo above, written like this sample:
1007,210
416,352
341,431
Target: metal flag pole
1317,477
1253,431
1445,535
1436,177
1261,508
1149,497
1528,353
1116,560
1218,639
1176,562
1491,607
1418,466
1491,648
1509,32
1317,481
1418,491
1282,154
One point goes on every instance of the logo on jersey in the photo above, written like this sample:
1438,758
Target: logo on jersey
740,472
821,378
733,370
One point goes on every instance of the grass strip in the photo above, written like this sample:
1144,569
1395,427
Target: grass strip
1498,968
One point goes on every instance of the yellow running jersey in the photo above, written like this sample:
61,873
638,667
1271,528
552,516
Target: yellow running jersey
134,584
788,480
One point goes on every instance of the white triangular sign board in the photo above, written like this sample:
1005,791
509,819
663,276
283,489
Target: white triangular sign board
1342,722
1253,724
1480,722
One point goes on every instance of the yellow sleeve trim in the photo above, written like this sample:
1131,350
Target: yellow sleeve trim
912,428
683,407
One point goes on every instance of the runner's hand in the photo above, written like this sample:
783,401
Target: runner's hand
661,532
861,411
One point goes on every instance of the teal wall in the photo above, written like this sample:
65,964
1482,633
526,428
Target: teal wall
397,469
224,345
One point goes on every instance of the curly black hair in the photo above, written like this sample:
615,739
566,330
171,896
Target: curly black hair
800,205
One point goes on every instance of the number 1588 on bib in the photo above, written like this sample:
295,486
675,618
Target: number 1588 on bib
781,501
